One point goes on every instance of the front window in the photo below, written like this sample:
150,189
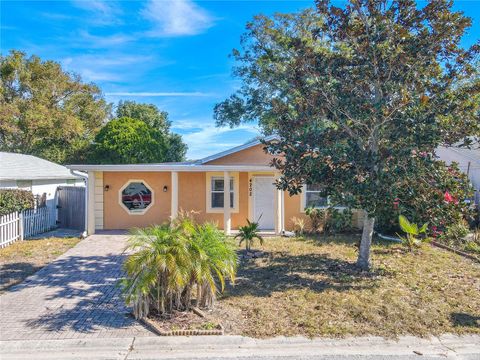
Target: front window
136,197
217,190
314,198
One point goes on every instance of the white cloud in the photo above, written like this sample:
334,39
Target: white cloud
103,12
94,41
176,18
156,94
206,139
104,67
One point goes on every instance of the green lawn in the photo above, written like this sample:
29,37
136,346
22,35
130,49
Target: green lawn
311,287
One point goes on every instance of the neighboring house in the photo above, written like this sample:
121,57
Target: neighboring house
42,177
137,195
468,161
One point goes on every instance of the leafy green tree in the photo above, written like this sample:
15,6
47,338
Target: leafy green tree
152,116
148,113
45,111
128,141
355,92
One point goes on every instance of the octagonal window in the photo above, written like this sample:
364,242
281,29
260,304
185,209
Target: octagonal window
136,197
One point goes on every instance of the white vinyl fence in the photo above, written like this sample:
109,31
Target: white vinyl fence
18,226
37,221
10,228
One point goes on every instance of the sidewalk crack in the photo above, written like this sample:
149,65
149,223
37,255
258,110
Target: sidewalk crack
130,349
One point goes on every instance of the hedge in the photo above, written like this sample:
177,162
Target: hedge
12,200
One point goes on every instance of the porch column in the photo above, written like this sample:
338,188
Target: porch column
227,221
278,209
91,203
174,200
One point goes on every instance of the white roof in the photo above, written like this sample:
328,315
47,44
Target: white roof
27,167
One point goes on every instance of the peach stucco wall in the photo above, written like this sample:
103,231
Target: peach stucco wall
251,156
116,217
192,195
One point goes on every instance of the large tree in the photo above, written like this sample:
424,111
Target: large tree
176,149
356,94
128,141
45,111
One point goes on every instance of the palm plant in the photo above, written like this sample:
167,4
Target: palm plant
169,261
249,233
413,232
216,260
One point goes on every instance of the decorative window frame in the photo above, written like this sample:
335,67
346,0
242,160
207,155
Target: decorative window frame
236,180
122,205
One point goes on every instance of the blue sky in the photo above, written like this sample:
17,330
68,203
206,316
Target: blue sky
170,53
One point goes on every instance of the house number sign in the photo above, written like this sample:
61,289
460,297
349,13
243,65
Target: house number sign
250,187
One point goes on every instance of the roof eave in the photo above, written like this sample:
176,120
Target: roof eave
169,168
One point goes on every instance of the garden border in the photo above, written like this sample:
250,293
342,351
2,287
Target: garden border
458,252
152,325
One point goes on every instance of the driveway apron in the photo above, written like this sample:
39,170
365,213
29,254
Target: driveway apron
76,296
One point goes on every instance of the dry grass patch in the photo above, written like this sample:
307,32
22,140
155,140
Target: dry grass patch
23,258
311,287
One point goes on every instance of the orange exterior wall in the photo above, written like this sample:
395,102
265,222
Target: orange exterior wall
251,156
116,217
192,195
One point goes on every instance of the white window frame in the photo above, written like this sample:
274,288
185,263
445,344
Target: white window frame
209,185
303,202
140,212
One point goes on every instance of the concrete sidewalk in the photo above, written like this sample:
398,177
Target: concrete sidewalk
237,347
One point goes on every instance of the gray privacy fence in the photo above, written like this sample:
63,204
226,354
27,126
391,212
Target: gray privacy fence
21,225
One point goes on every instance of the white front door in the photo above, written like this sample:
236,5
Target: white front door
264,201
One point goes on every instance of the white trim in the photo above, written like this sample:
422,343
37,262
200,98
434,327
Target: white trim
174,200
227,211
236,181
91,203
236,149
129,212
169,168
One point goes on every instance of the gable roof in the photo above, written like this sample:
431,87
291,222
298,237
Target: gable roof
15,166
236,149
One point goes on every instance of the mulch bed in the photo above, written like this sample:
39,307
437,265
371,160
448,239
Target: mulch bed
184,323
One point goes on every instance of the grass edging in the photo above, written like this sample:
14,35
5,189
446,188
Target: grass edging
159,331
458,252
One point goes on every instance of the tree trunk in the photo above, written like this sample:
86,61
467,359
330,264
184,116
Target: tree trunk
363,261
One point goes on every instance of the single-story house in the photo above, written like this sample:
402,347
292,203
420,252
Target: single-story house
138,195
41,177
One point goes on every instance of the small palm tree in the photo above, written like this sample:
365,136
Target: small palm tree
413,232
171,260
249,233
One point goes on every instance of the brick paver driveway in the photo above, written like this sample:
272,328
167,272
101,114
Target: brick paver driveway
73,297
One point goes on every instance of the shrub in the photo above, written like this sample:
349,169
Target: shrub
173,261
12,200
330,220
298,226
339,221
318,219
455,234
433,193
